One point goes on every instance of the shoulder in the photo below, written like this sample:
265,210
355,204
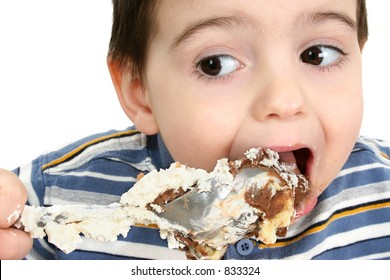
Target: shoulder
368,167
128,146
94,170
368,150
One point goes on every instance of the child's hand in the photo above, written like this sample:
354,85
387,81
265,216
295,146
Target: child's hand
14,244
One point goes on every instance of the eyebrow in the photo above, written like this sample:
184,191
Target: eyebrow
321,17
217,22
229,22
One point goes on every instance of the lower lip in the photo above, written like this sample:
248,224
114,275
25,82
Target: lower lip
309,206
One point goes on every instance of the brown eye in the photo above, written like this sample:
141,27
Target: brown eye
321,55
211,66
218,65
313,56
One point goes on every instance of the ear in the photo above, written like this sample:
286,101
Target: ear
133,97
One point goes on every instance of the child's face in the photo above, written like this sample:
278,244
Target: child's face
223,76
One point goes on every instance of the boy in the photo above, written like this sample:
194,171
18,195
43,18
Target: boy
203,80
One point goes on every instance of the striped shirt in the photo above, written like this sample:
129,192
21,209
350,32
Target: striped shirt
350,221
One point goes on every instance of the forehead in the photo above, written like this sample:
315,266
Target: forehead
175,15
198,8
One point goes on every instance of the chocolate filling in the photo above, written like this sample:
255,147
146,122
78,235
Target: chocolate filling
166,197
270,205
260,199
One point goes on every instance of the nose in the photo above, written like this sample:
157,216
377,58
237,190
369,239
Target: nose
280,97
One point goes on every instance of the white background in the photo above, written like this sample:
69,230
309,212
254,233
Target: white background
55,86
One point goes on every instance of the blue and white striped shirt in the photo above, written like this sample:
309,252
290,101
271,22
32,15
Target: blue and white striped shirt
350,221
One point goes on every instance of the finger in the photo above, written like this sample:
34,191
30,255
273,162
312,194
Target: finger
15,244
13,196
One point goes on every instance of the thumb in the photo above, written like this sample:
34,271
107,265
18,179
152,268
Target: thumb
13,196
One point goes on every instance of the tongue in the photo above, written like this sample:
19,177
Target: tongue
287,157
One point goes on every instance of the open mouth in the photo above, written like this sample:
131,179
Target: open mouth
302,156
303,160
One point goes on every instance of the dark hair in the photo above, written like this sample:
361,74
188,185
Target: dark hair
362,24
134,26
132,30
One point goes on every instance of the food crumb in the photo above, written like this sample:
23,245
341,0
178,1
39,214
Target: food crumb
14,215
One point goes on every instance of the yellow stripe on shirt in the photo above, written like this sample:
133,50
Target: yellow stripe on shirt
85,145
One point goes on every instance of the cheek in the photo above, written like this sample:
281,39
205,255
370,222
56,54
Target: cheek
196,130
339,108
345,109
341,129
346,124
339,100
199,137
